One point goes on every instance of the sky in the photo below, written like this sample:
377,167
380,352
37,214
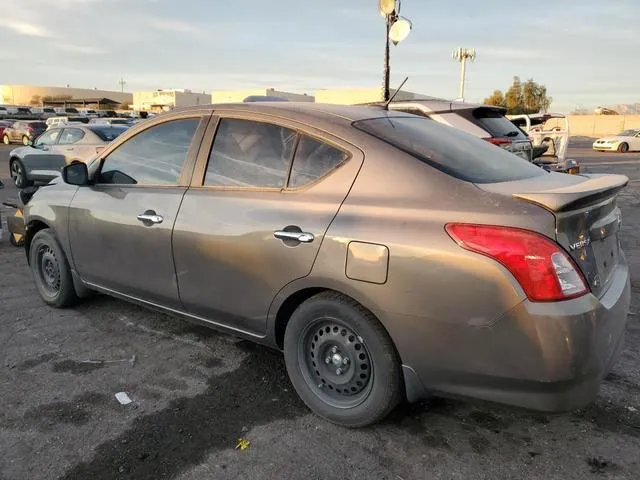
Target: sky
584,51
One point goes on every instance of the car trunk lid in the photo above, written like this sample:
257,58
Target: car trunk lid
587,217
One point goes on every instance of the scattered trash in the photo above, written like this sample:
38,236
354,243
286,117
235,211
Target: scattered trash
131,361
632,409
242,444
123,398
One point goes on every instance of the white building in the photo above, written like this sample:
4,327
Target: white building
235,96
168,99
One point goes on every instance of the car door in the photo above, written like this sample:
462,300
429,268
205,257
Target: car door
15,132
247,227
635,142
120,227
41,159
67,143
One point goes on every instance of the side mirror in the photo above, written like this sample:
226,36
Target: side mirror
76,174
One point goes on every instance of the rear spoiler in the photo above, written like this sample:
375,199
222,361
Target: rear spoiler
566,197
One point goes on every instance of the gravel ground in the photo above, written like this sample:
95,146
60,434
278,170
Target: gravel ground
196,392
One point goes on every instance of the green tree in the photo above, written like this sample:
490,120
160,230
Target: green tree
528,97
496,98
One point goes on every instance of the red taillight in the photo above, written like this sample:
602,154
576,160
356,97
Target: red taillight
543,270
29,129
499,141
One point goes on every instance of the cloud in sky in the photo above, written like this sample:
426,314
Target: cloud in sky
582,51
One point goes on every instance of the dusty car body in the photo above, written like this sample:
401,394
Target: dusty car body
385,254
552,141
625,141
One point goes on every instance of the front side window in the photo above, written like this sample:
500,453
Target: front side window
70,136
153,157
250,154
313,159
47,138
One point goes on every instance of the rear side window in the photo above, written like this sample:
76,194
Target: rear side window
246,153
314,159
456,153
494,122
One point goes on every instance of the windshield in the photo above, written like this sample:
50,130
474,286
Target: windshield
108,133
494,122
628,133
454,152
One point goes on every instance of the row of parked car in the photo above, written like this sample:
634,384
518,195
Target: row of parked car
387,255
42,113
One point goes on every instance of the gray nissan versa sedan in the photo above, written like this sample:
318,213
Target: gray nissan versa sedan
387,255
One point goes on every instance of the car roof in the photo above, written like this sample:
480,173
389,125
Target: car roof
302,111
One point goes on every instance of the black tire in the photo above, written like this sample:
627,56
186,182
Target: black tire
18,174
623,147
51,271
372,383
5,139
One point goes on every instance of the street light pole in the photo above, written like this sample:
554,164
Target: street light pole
387,66
397,28
462,55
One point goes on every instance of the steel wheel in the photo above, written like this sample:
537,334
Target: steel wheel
335,363
25,141
48,270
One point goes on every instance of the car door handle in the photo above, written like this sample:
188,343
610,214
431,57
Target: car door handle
303,237
150,218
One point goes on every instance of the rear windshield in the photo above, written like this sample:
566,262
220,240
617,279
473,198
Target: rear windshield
38,125
107,133
454,152
494,122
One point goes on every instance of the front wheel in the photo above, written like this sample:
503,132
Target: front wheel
341,361
18,174
51,271
25,140
623,147
5,139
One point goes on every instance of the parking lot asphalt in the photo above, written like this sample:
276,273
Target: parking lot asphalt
196,392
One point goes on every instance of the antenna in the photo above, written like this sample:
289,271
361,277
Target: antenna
386,105
122,83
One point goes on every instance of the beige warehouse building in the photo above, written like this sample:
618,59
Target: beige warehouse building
32,94
168,99
235,96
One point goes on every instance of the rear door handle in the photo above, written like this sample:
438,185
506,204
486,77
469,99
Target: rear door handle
303,237
148,217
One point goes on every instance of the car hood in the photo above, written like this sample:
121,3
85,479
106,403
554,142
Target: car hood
611,139
20,152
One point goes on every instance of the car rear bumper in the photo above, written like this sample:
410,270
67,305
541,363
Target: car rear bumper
543,356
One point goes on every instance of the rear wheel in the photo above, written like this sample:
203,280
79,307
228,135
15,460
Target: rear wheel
51,271
623,147
5,139
341,361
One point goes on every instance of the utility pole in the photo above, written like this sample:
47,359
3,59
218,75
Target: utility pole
122,83
397,28
462,55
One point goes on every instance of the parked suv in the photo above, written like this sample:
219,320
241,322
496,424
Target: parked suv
23,131
485,121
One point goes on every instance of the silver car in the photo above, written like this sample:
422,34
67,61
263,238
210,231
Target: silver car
387,255
57,147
